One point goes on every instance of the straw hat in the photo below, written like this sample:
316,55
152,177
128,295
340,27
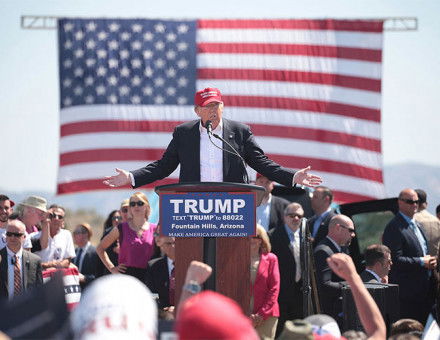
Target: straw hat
35,202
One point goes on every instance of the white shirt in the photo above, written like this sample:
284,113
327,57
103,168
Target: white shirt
211,158
170,266
11,255
59,247
27,241
263,212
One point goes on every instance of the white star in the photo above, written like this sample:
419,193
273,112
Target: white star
136,45
100,90
171,54
148,72
159,63
112,99
113,45
90,44
101,71
124,90
159,81
181,100
102,54
67,101
136,81
68,45
159,99
147,90
148,36
67,63
182,63
78,91
89,99
68,26
135,99
182,28
79,35
114,27
67,82
147,54
171,72
136,28
136,63
102,35
171,91
125,72
112,80
89,81
78,53
125,36
182,81
159,45
90,62
91,26
159,28
78,72
113,63
124,54
182,46
171,37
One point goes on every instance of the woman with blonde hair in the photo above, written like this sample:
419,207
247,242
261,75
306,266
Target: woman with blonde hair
265,285
136,240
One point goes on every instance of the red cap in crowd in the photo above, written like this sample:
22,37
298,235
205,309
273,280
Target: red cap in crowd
206,96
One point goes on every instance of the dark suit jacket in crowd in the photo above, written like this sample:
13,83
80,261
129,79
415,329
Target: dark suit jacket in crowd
31,267
323,227
276,214
184,149
368,277
329,286
158,281
90,265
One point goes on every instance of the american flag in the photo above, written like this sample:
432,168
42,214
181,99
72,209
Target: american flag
309,89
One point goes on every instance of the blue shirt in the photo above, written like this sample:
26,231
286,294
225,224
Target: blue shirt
418,233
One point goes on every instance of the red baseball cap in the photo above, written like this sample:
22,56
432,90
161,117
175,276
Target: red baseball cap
206,96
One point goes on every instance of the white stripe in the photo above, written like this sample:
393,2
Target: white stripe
367,99
73,298
345,67
357,39
98,170
285,118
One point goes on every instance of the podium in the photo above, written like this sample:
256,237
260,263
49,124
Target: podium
229,257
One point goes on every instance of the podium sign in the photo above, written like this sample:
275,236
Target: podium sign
208,214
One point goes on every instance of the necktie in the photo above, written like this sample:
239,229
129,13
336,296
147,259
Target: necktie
296,256
172,286
17,276
78,258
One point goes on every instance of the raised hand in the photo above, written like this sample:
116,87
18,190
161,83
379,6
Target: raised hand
122,178
302,177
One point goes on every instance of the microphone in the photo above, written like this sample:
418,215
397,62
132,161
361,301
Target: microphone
208,126
13,260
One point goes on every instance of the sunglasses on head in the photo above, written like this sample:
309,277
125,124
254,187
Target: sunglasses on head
10,234
138,203
55,216
408,201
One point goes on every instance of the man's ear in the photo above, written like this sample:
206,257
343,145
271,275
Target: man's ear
196,110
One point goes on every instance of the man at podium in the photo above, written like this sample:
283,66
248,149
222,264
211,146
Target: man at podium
202,161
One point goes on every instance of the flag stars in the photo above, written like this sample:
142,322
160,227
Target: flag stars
91,26
67,82
90,44
124,54
114,27
182,29
90,62
68,44
112,99
148,36
100,90
181,100
182,81
101,71
160,63
113,63
125,36
125,72
159,99
171,54
171,37
147,90
136,81
113,45
68,27
79,53
89,81
124,90
78,72
102,35
159,81
160,45
78,91
171,91
102,54
89,99
67,101
79,35
148,54
148,72
136,45
182,46
67,63
136,100
160,28
137,28
182,63
136,63
171,72
112,80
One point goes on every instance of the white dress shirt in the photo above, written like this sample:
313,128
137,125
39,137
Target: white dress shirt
211,157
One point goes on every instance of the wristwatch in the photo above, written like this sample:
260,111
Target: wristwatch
193,287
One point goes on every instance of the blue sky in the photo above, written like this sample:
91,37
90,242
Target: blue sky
29,74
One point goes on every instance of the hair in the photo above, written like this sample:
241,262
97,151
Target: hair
265,242
292,206
421,194
4,198
108,221
56,206
355,335
326,192
405,326
141,196
87,227
437,210
375,253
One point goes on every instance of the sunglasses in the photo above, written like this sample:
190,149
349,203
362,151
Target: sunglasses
55,216
116,218
80,232
10,234
351,230
124,210
138,203
295,215
408,201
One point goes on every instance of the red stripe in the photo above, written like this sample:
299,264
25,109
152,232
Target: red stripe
319,135
349,197
96,184
365,54
375,26
344,110
292,76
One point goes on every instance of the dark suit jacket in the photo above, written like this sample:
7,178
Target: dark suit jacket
32,274
158,281
406,271
184,149
290,297
90,265
276,214
368,277
329,286
323,227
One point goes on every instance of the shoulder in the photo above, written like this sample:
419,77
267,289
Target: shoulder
187,125
235,126
279,200
325,246
154,263
32,257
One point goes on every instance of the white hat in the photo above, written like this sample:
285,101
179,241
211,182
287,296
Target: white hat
35,202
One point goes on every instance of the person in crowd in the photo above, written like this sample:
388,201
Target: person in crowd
86,259
321,201
20,270
340,233
112,221
160,278
270,213
428,222
136,241
378,263
265,284
285,241
437,211
412,264
32,211
124,209
57,248
407,326
211,164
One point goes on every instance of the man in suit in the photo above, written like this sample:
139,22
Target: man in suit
20,270
378,264
200,160
86,258
340,233
270,213
321,201
412,265
428,222
285,241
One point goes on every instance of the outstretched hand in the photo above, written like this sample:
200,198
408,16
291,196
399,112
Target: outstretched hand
302,177
122,178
